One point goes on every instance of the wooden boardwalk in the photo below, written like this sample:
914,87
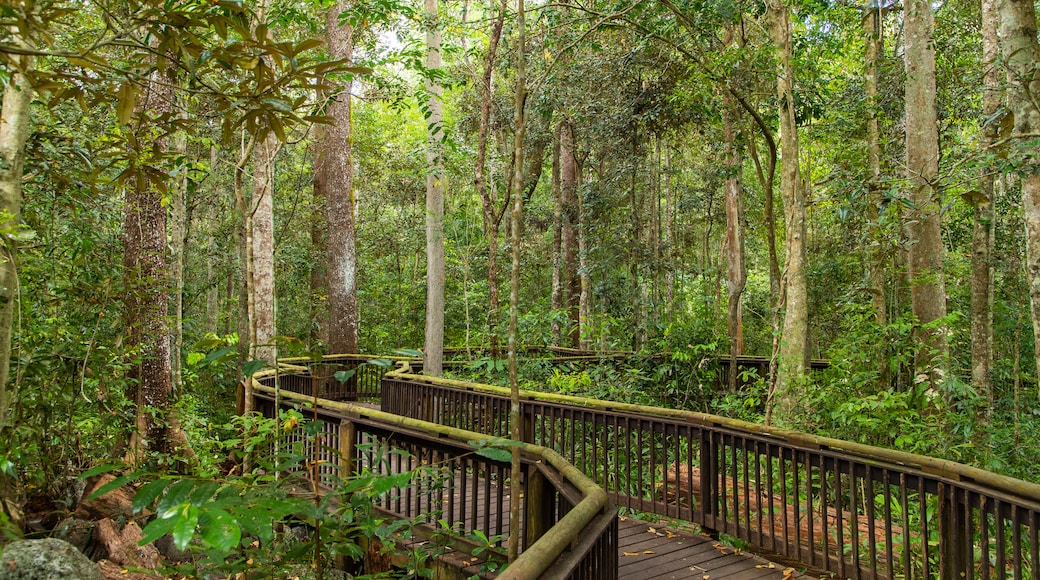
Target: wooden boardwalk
648,552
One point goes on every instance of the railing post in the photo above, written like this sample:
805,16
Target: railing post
347,438
538,514
709,463
955,552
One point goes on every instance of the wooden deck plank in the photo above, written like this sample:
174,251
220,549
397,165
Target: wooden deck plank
681,554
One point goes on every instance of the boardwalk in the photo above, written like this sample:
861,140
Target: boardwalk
649,552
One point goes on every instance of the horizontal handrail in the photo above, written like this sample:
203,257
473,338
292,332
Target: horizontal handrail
844,507
537,559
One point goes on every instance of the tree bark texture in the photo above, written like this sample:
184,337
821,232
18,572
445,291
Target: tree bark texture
923,226
985,219
434,344
1021,53
556,294
337,177
876,255
516,193
491,213
736,268
145,272
793,352
14,131
262,324
569,199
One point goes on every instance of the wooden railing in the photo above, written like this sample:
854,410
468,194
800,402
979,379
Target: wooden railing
569,527
848,509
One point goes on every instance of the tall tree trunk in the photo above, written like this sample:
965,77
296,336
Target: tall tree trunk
14,131
337,176
516,191
735,266
584,269
927,289
569,198
985,220
794,352
491,213
262,324
178,244
1021,53
558,274
434,345
145,272
876,252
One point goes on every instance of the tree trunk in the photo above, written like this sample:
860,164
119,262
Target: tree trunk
793,353
569,199
1021,53
585,276
336,169
14,131
878,244
985,220
434,345
491,213
145,274
516,195
262,325
178,243
927,289
736,268
558,274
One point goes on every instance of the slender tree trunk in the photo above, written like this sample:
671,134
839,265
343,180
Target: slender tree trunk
877,248
178,243
145,273
517,196
337,176
585,277
793,353
263,325
927,289
491,213
569,198
434,349
14,131
985,220
558,274
1021,53
736,268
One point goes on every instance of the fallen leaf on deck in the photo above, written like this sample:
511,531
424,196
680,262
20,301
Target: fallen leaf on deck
648,551
630,553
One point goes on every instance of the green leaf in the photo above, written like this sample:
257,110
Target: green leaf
156,529
409,352
252,367
99,469
383,363
203,493
220,530
495,454
184,529
127,96
344,376
112,485
175,496
147,494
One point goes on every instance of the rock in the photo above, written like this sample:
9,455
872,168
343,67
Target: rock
121,546
47,559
